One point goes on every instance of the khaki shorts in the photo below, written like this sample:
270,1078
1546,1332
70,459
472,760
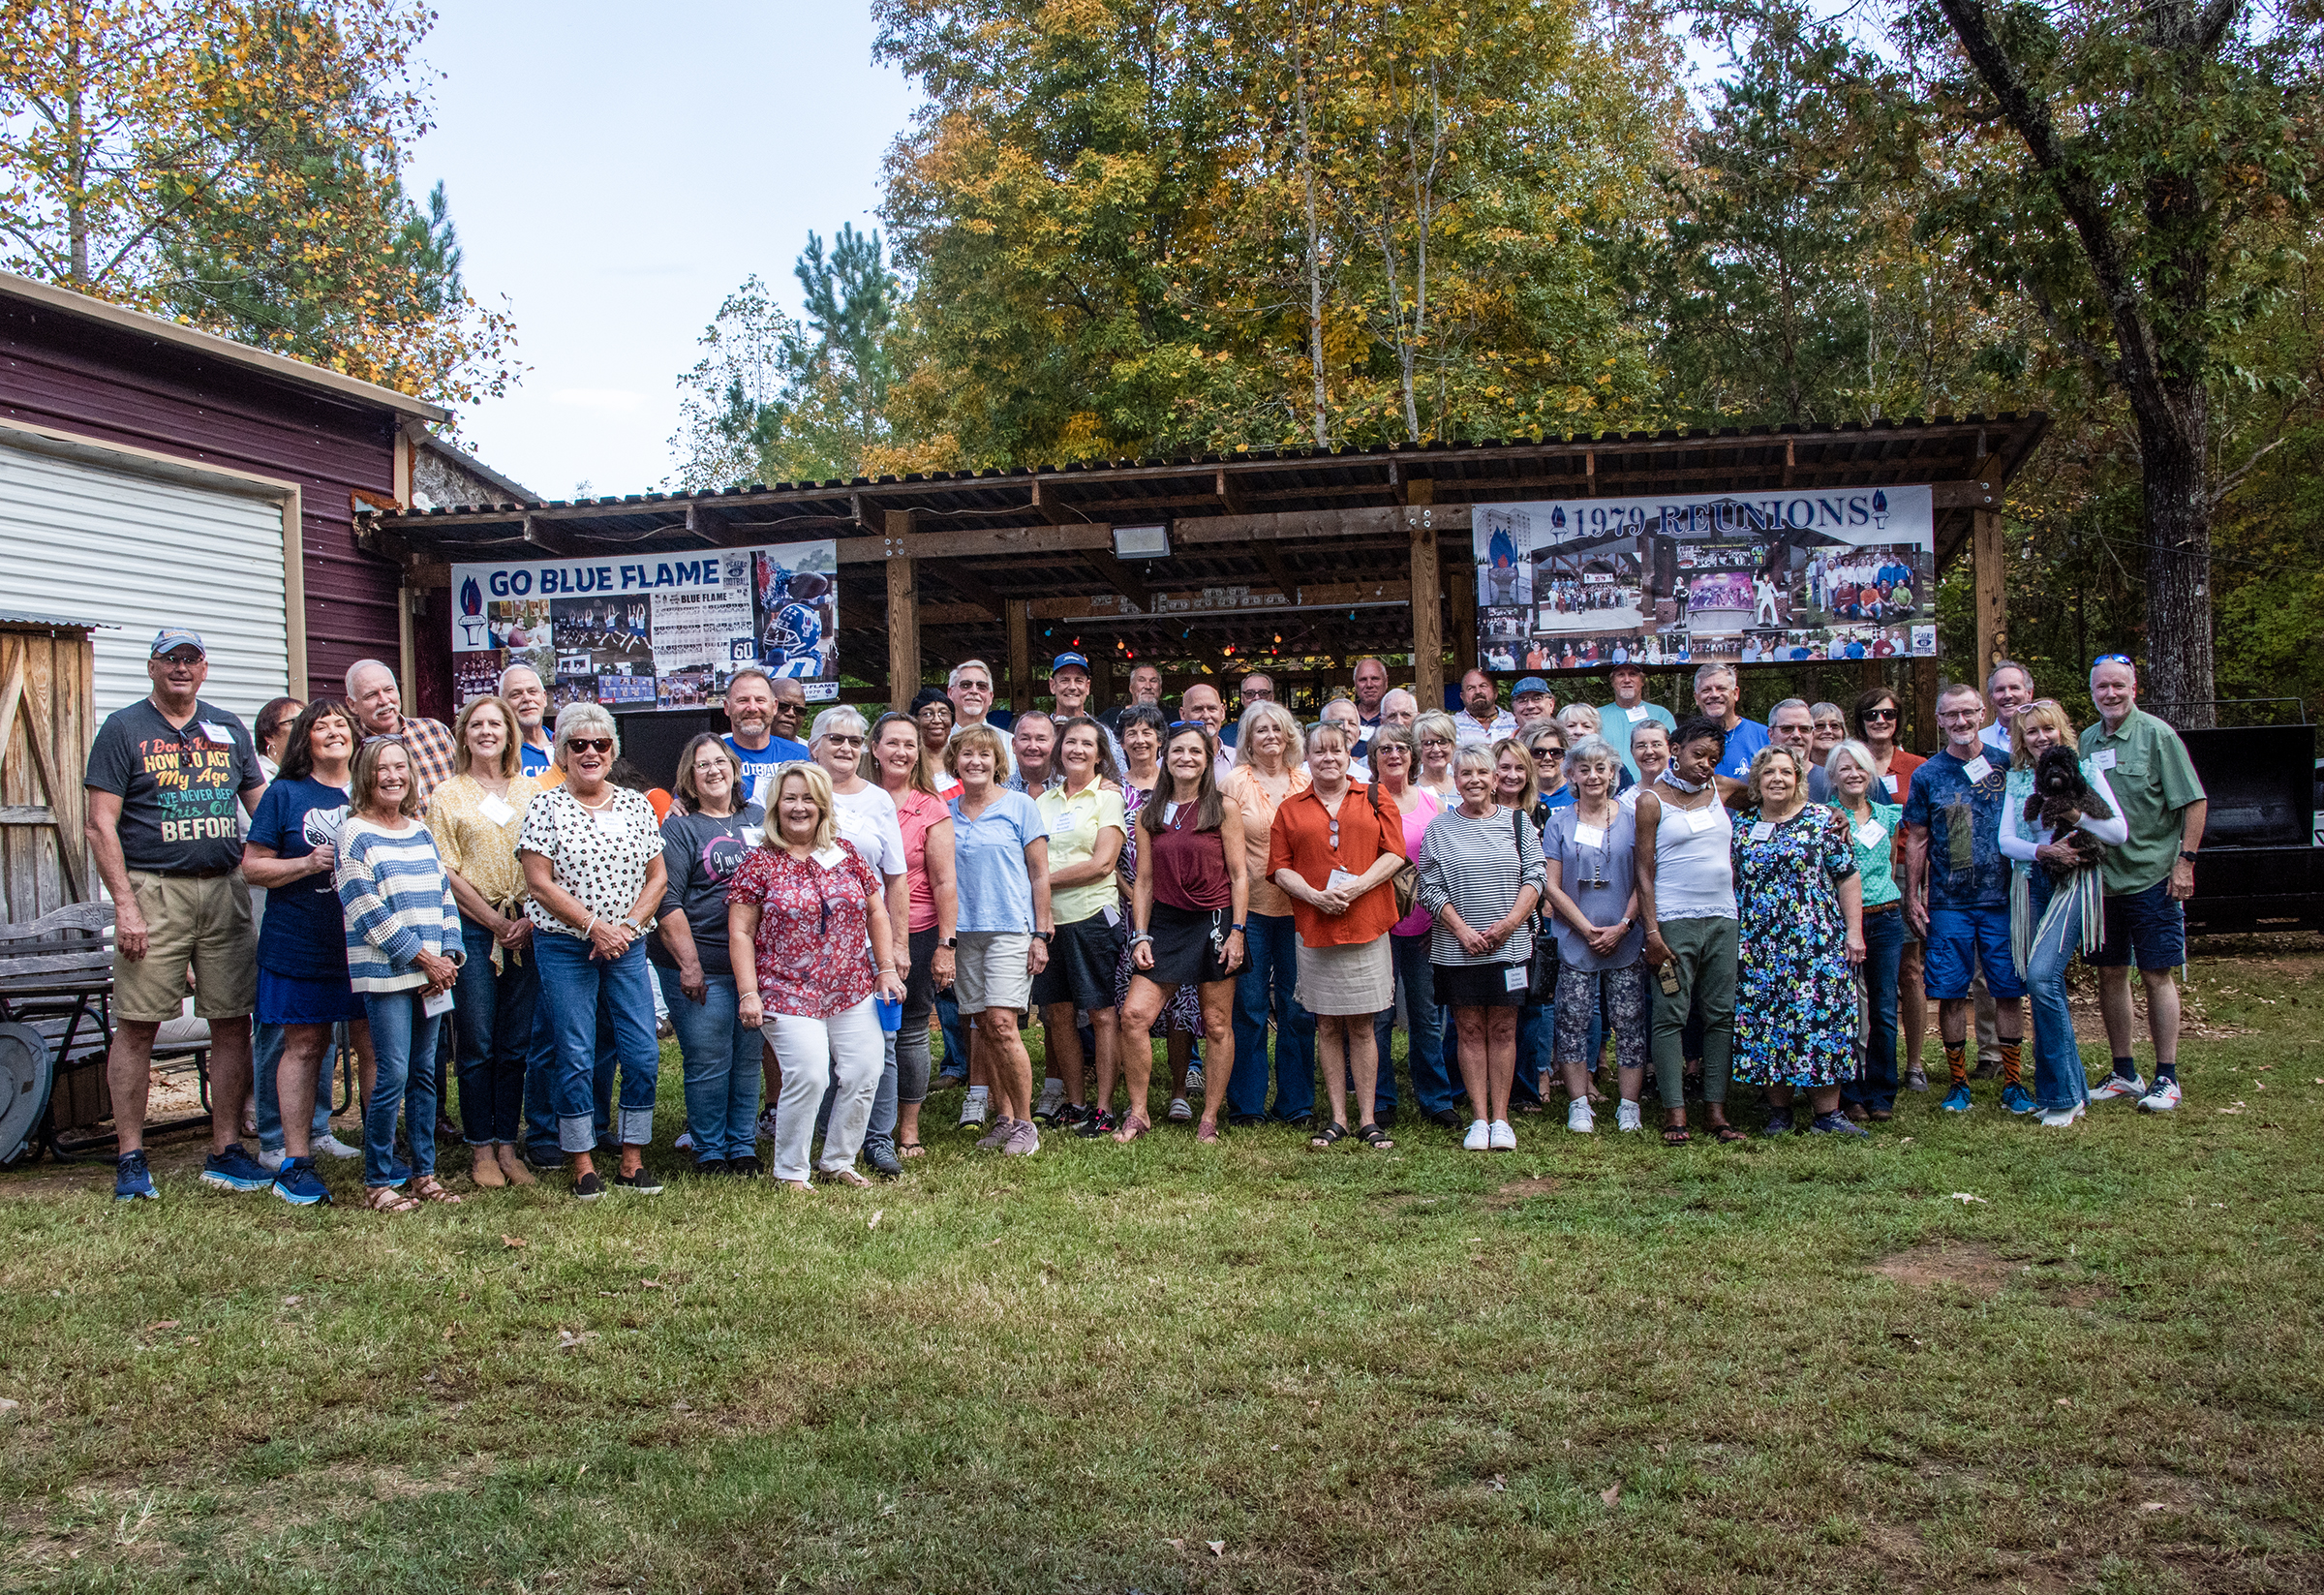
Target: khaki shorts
202,925
988,971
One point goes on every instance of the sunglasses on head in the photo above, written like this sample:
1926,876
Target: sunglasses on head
590,745
2113,658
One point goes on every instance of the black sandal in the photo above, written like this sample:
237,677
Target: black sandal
1330,1135
1374,1136
1675,1135
1729,1133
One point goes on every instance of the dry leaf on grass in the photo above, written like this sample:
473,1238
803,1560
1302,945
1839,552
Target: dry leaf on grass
1612,1495
878,1214
514,1242
1218,1548
1965,1198
158,1325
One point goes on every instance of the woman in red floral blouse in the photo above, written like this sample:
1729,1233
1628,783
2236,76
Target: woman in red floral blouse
809,908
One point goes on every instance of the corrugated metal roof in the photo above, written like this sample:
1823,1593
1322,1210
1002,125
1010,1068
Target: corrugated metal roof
19,617
209,343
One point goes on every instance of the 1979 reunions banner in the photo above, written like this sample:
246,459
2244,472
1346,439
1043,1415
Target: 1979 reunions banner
651,631
1768,578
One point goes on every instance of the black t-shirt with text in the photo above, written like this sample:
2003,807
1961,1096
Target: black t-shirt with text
179,786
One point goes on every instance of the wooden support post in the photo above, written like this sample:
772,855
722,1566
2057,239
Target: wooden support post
1993,591
1463,588
904,614
1427,622
1924,708
1021,655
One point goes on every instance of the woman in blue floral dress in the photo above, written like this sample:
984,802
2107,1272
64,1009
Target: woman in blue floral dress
1803,934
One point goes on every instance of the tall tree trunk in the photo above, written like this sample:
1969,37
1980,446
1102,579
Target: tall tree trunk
1315,266
2178,525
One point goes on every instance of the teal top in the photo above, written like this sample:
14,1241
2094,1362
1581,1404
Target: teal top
1875,855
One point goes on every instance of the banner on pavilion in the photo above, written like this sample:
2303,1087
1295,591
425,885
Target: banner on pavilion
1762,578
651,630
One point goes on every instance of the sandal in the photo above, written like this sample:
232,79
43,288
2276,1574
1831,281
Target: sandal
1675,1135
428,1188
387,1199
1330,1135
1374,1136
1729,1133
1132,1128
910,1148
840,1177
1207,1134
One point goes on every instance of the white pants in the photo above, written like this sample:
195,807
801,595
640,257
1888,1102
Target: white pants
846,1052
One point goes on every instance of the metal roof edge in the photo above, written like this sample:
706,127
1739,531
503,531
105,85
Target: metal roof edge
144,324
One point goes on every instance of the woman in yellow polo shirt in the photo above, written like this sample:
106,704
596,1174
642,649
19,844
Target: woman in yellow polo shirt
1082,816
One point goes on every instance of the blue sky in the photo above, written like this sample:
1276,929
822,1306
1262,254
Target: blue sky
615,172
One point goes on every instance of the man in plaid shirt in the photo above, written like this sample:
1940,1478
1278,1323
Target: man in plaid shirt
370,688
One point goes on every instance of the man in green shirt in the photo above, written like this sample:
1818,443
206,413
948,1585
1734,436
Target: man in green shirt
2148,878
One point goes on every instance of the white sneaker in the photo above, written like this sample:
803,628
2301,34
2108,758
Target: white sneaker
1053,1092
1479,1137
331,1145
2116,1087
1578,1117
1194,1078
2061,1118
1180,1110
1504,1138
972,1111
685,1142
1626,1118
270,1161
2162,1098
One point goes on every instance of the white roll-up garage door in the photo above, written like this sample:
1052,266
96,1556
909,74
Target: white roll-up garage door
135,549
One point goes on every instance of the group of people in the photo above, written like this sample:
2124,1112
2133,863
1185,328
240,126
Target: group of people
1724,899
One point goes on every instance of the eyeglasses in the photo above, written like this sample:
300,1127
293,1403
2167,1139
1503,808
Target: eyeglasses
2113,658
842,741
590,745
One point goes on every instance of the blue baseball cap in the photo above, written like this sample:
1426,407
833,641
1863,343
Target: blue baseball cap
177,636
1531,684
1063,659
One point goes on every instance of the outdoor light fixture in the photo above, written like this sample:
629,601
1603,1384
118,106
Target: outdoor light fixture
1141,542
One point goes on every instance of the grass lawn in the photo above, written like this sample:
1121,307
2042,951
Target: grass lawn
1969,1355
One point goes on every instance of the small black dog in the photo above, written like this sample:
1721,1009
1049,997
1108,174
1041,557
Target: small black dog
2059,798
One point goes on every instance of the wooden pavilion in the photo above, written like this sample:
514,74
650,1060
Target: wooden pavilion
1311,556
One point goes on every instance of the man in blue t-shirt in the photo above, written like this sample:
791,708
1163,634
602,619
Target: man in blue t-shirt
528,699
751,707
1716,694
1957,892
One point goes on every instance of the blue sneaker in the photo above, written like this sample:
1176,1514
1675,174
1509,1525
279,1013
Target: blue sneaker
2017,1099
133,1181
1956,1100
1836,1124
1778,1122
298,1183
235,1170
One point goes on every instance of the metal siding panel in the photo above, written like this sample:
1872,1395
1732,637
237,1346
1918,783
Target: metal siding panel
137,554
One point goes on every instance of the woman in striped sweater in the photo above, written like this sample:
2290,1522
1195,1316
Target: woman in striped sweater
404,952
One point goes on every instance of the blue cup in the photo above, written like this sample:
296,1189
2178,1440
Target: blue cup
891,1014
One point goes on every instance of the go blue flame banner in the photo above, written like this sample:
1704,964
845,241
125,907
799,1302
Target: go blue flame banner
654,630
1772,578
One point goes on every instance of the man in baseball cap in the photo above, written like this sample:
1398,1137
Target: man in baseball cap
1531,700
1069,683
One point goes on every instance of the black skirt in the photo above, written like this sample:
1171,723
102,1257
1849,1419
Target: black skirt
1080,964
1188,946
1480,985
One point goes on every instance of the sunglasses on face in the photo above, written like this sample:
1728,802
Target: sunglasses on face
1548,752
1870,715
591,745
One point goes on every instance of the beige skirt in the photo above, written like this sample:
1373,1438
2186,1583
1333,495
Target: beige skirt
1347,980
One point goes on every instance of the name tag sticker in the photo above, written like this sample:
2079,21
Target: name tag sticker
1702,818
1762,830
217,733
1515,977
437,1007
1589,836
496,808
1872,833
1339,881
1976,769
1113,915
2103,759
755,835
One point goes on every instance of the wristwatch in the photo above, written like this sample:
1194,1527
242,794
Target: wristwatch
2185,854
1046,936
946,944
1236,930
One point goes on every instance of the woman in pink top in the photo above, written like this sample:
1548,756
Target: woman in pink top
1395,766
926,820
1267,770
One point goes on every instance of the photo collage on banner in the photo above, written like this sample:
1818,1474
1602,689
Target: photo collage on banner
654,632
1774,579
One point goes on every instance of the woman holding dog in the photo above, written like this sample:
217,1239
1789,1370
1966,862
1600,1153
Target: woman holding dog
2054,894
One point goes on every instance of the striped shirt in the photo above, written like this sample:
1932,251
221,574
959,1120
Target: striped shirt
1478,866
398,904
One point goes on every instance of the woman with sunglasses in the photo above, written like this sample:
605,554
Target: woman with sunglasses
591,853
865,816
1878,722
1186,922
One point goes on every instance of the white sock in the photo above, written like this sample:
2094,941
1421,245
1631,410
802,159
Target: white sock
979,1093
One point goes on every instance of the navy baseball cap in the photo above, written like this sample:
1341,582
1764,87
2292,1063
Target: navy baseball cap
1063,659
1531,684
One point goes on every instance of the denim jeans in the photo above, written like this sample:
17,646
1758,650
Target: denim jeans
1272,943
493,1030
403,1047
1432,1088
955,1037
540,1078
1874,1085
720,1060
574,987
2059,1082
265,1059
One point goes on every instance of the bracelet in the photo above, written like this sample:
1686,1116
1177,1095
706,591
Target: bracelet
1139,936
1235,930
591,926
